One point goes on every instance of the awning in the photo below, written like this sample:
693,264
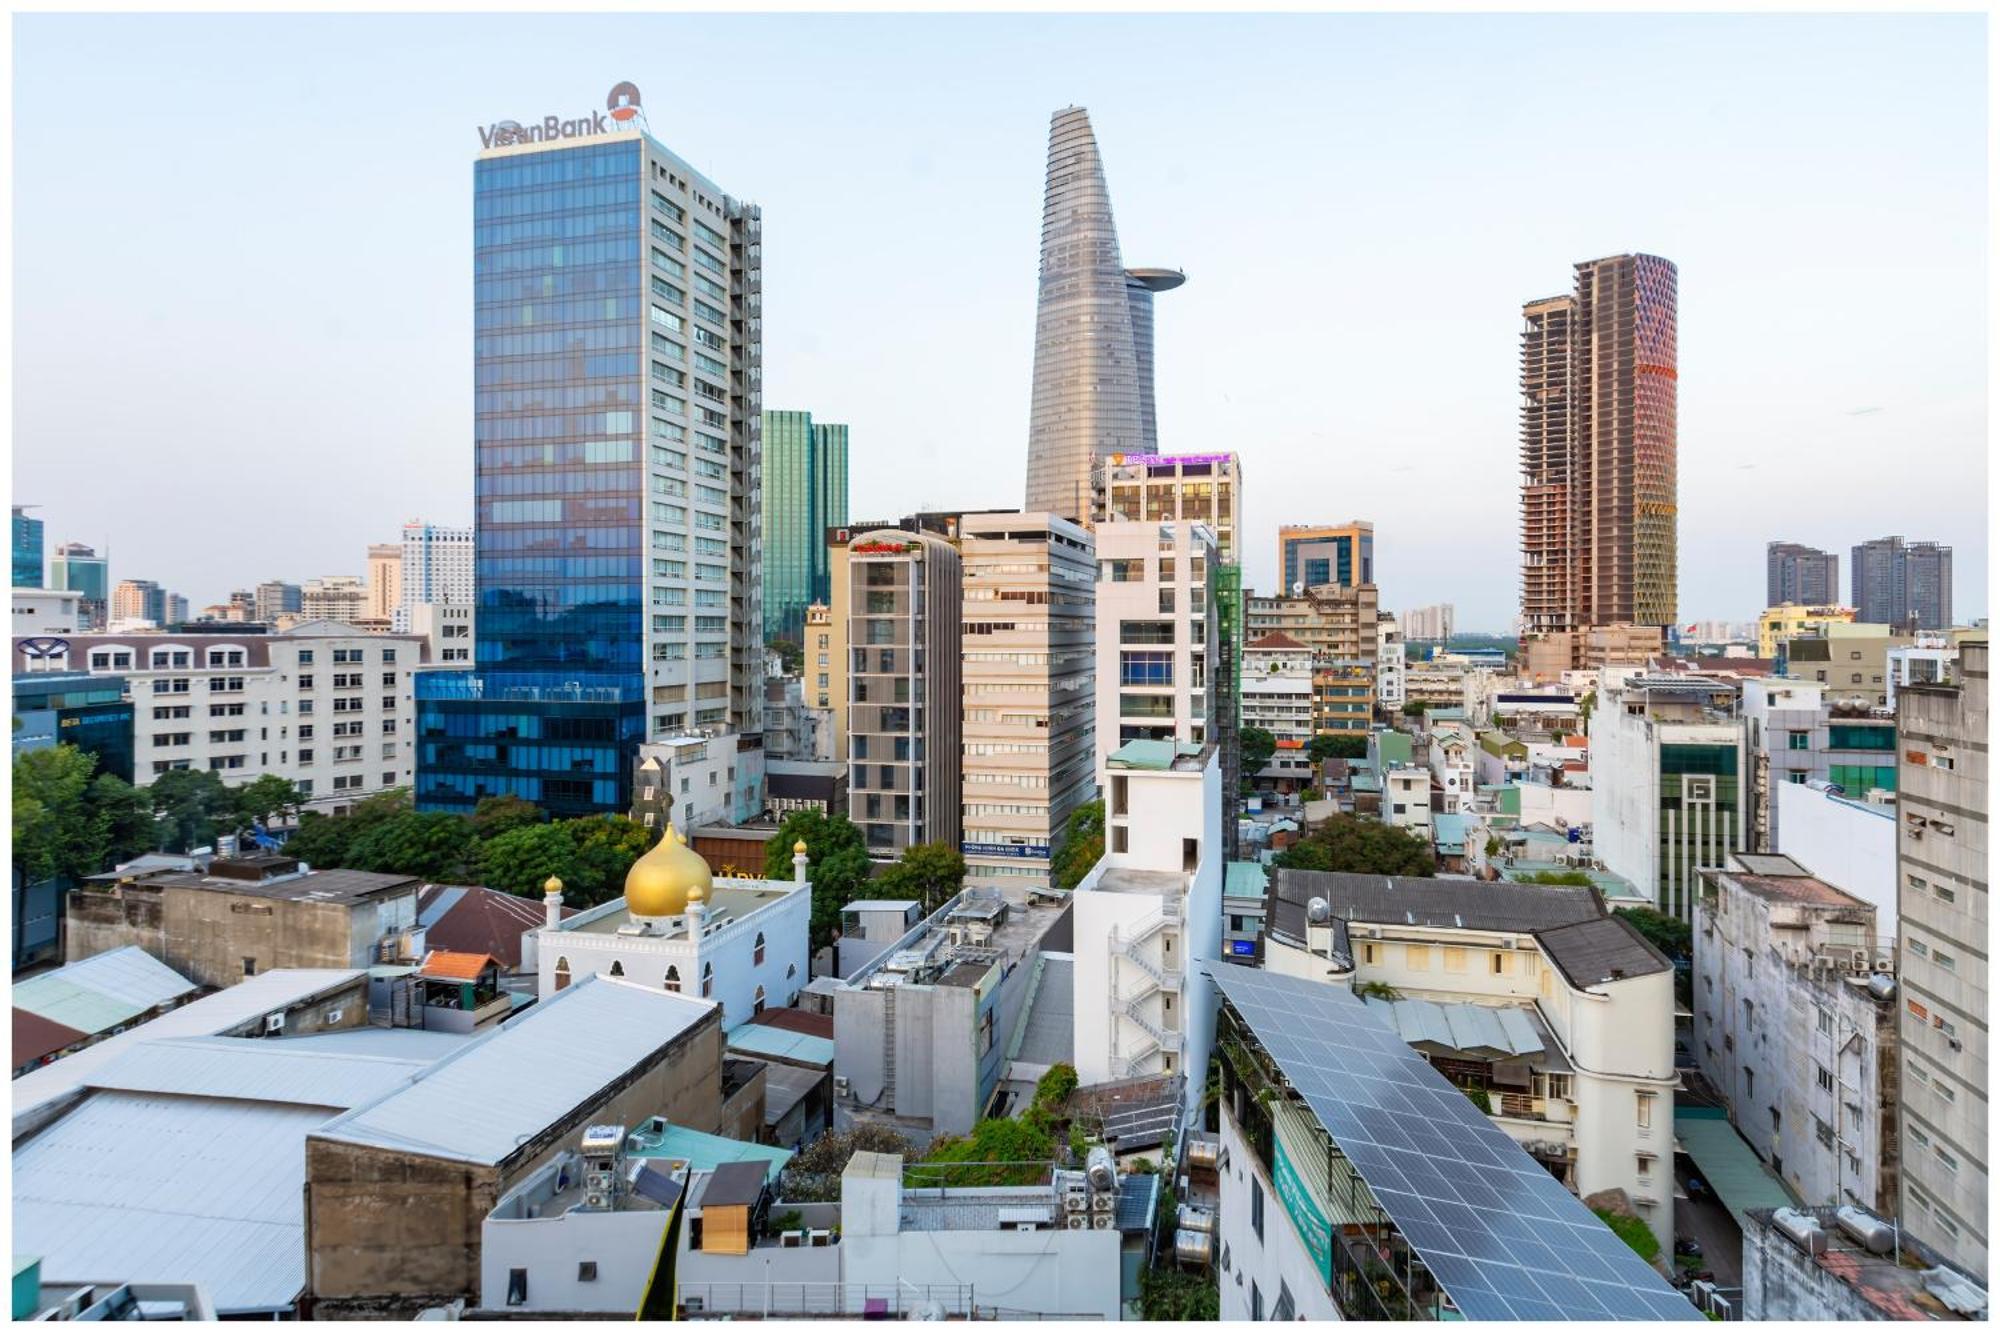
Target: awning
1729,1165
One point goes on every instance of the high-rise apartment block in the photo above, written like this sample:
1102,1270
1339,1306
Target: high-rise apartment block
1430,624
27,549
1028,598
805,493
1941,855
139,599
275,598
1310,556
1800,575
1093,332
905,683
385,580
1165,488
617,429
436,571
1901,584
1158,635
1337,622
80,569
1599,449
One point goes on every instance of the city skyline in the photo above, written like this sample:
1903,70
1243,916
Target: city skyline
1327,425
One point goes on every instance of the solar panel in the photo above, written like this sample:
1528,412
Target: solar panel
1500,1234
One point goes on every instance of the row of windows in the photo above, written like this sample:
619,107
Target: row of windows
584,163
548,311
554,426
564,369
559,398
506,300
492,205
537,256
556,227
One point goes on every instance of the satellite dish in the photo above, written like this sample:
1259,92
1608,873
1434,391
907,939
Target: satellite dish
1298,589
1317,911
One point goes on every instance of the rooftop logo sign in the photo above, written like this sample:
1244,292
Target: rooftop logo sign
622,106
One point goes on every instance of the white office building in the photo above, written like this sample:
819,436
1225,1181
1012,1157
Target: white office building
436,571
1156,634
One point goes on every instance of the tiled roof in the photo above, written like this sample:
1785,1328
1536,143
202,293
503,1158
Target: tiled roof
35,1037
444,965
471,919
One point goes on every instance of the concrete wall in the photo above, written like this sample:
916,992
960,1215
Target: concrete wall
1849,844
206,934
623,1245
390,1232
1781,1281
1276,1261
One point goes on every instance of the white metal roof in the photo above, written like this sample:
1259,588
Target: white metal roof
287,1070
483,1102
129,978
137,1188
244,1002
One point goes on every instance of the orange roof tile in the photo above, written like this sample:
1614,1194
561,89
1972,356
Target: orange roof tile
448,966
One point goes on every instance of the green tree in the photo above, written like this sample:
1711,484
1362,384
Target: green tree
930,872
1669,934
998,1151
1361,846
262,799
813,1173
55,830
1415,707
1327,746
324,840
431,845
1054,1087
495,815
126,815
836,863
1575,879
192,805
606,847
1082,845
791,655
519,860
1256,745
1170,1296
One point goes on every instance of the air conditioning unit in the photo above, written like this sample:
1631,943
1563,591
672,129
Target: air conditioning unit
1862,959
333,1015
1104,1222
840,1085
274,1022
1077,1222
1076,1203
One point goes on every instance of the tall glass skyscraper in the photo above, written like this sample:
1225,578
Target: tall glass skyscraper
617,425
27,549
78,568
1093,392
805,493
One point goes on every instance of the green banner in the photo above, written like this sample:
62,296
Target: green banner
1310,1222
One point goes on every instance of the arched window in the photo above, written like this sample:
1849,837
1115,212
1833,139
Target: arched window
707,980
757,1001
617,968
757,954
562,973
673,979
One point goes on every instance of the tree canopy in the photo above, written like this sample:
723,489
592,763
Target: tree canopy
1359,845
1669,934
1256,746
836,863
1327,746
930,872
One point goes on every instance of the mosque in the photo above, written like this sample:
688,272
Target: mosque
741,942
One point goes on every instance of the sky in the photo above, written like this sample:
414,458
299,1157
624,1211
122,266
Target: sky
243,262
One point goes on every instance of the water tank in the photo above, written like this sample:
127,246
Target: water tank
1881,986
1317,911
1803,1229
1102,1169
1193,1247
1203,1154
1875,1235
1193,1218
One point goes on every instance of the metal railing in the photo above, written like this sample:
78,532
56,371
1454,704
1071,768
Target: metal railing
822,1300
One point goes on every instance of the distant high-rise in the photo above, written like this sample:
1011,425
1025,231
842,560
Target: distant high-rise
1800,575
1093,390
337,597
385,580
27,549
805,493
436,570
80,569
1599,449
276,598
139,599
1902,584
617,432
1313,557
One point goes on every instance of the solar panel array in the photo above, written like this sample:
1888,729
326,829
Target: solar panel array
1500,1234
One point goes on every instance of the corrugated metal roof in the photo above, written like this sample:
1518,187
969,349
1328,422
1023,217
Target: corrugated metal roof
777,1043
1501,1030
485,1100
242,1003
98,993
294,1071
1048,1031
135,1188
1729,1165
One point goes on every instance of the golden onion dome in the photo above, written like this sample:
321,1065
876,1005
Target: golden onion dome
552,885
799,847
665,880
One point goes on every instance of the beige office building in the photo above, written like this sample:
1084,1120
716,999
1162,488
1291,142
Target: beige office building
1027,722
1335,621
385,580
338,597
1168,488
901,596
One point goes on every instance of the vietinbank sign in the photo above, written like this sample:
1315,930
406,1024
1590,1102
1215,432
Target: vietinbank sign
621,108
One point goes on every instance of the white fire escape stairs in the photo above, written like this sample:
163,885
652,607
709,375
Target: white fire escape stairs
1129,949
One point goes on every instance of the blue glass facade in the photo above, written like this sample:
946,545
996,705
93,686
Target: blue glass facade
27,551
556,706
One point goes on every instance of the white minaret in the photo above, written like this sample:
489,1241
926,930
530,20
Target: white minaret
799,862
552,903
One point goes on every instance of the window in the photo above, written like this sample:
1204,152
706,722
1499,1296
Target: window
673,981
1798,740
1825,1077
1417,957
757,952
1646,1110
586,1270
517,1286
249,967
1257,1207
757,1001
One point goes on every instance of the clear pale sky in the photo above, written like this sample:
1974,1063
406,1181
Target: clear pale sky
243,262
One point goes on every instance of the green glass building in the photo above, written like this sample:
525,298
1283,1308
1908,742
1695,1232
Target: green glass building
805,493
